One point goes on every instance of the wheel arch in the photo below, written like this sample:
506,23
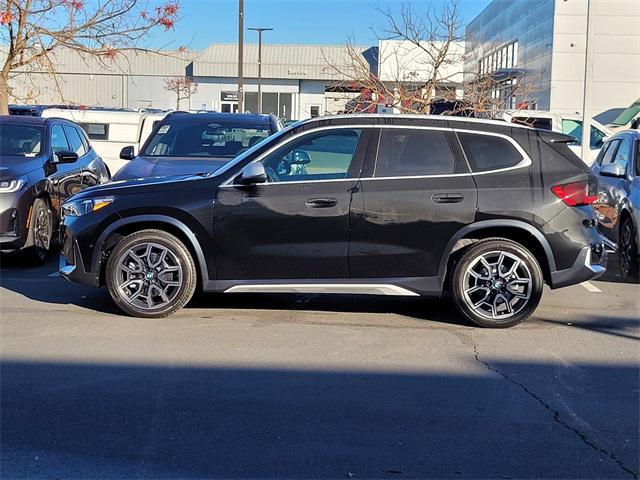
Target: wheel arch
128,225
523,233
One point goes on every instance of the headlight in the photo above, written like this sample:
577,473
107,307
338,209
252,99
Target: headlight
12,185
82,207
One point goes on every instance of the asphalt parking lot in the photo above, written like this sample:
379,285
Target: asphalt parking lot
310,386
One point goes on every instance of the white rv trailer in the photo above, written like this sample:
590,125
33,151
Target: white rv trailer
111,130
570,123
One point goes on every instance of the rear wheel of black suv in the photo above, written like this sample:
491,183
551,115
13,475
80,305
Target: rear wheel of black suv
496,283
151,274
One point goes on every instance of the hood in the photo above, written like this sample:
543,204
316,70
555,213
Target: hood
15,165
142,167
138,185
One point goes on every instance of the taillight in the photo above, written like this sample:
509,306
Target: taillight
574,194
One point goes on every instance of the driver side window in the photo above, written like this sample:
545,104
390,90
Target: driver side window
324,155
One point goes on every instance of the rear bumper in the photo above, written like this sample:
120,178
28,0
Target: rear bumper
590,264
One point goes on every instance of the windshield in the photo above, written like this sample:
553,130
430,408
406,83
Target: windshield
197,138
628,114
21,140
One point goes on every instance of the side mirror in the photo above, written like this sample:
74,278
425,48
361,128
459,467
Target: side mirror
66,156
127,153
612,170
253,173
299,157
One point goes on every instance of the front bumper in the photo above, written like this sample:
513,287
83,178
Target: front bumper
14,212
590,264
71,266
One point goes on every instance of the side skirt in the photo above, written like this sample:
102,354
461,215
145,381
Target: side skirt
410,287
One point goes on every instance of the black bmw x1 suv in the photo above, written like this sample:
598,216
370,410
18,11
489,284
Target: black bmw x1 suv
366,204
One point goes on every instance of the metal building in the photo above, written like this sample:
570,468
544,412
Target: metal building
542,43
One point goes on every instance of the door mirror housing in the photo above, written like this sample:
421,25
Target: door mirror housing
612,170
65,156
127,153
252,174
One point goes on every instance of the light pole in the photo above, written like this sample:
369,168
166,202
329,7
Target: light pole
588,77
260,30
240,54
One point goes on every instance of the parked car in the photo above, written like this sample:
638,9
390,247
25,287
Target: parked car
190,143
111,129
389,205
42,163
568,123
629,118
618,204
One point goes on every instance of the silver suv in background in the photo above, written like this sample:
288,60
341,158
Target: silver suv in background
618,204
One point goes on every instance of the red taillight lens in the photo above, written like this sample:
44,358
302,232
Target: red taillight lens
574,194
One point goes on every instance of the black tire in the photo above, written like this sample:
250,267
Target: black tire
40,232
628,257
496,292
119,274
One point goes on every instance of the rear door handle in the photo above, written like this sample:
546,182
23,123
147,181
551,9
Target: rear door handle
447,197
321,202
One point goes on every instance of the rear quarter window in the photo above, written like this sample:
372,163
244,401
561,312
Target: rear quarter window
489,152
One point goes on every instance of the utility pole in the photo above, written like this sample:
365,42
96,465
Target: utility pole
588,76
240,55
260,30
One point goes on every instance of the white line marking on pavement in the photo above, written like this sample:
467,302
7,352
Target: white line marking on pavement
54,274
591,287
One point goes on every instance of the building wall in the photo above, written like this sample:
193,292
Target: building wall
530,24
616,57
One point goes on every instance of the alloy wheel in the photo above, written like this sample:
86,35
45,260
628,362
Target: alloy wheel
149,276
42,230
497,285
626,249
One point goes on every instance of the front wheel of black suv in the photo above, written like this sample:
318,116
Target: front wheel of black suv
151,274
496,283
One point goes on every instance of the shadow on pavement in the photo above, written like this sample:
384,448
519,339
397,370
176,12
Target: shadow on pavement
517,420
36,284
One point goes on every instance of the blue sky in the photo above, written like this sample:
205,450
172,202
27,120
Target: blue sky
204,22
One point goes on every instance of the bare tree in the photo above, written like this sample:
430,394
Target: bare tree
34,30
183,87
420,61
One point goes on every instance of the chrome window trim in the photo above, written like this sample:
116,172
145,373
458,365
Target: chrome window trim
525,162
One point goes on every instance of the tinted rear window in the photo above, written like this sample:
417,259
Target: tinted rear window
489,152
408,152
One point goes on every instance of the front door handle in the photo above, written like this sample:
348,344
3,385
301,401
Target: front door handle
321,202
447,197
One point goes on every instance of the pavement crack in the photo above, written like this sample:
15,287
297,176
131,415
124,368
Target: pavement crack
556,415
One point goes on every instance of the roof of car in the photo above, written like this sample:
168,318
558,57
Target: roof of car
626,133
381,117
23,120
237,118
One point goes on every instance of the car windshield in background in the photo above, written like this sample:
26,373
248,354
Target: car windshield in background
204,139
21,140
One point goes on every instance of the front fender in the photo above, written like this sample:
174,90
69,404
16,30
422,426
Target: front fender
194,243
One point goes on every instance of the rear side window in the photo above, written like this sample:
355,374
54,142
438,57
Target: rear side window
96,131
489,152
75,142
408,152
